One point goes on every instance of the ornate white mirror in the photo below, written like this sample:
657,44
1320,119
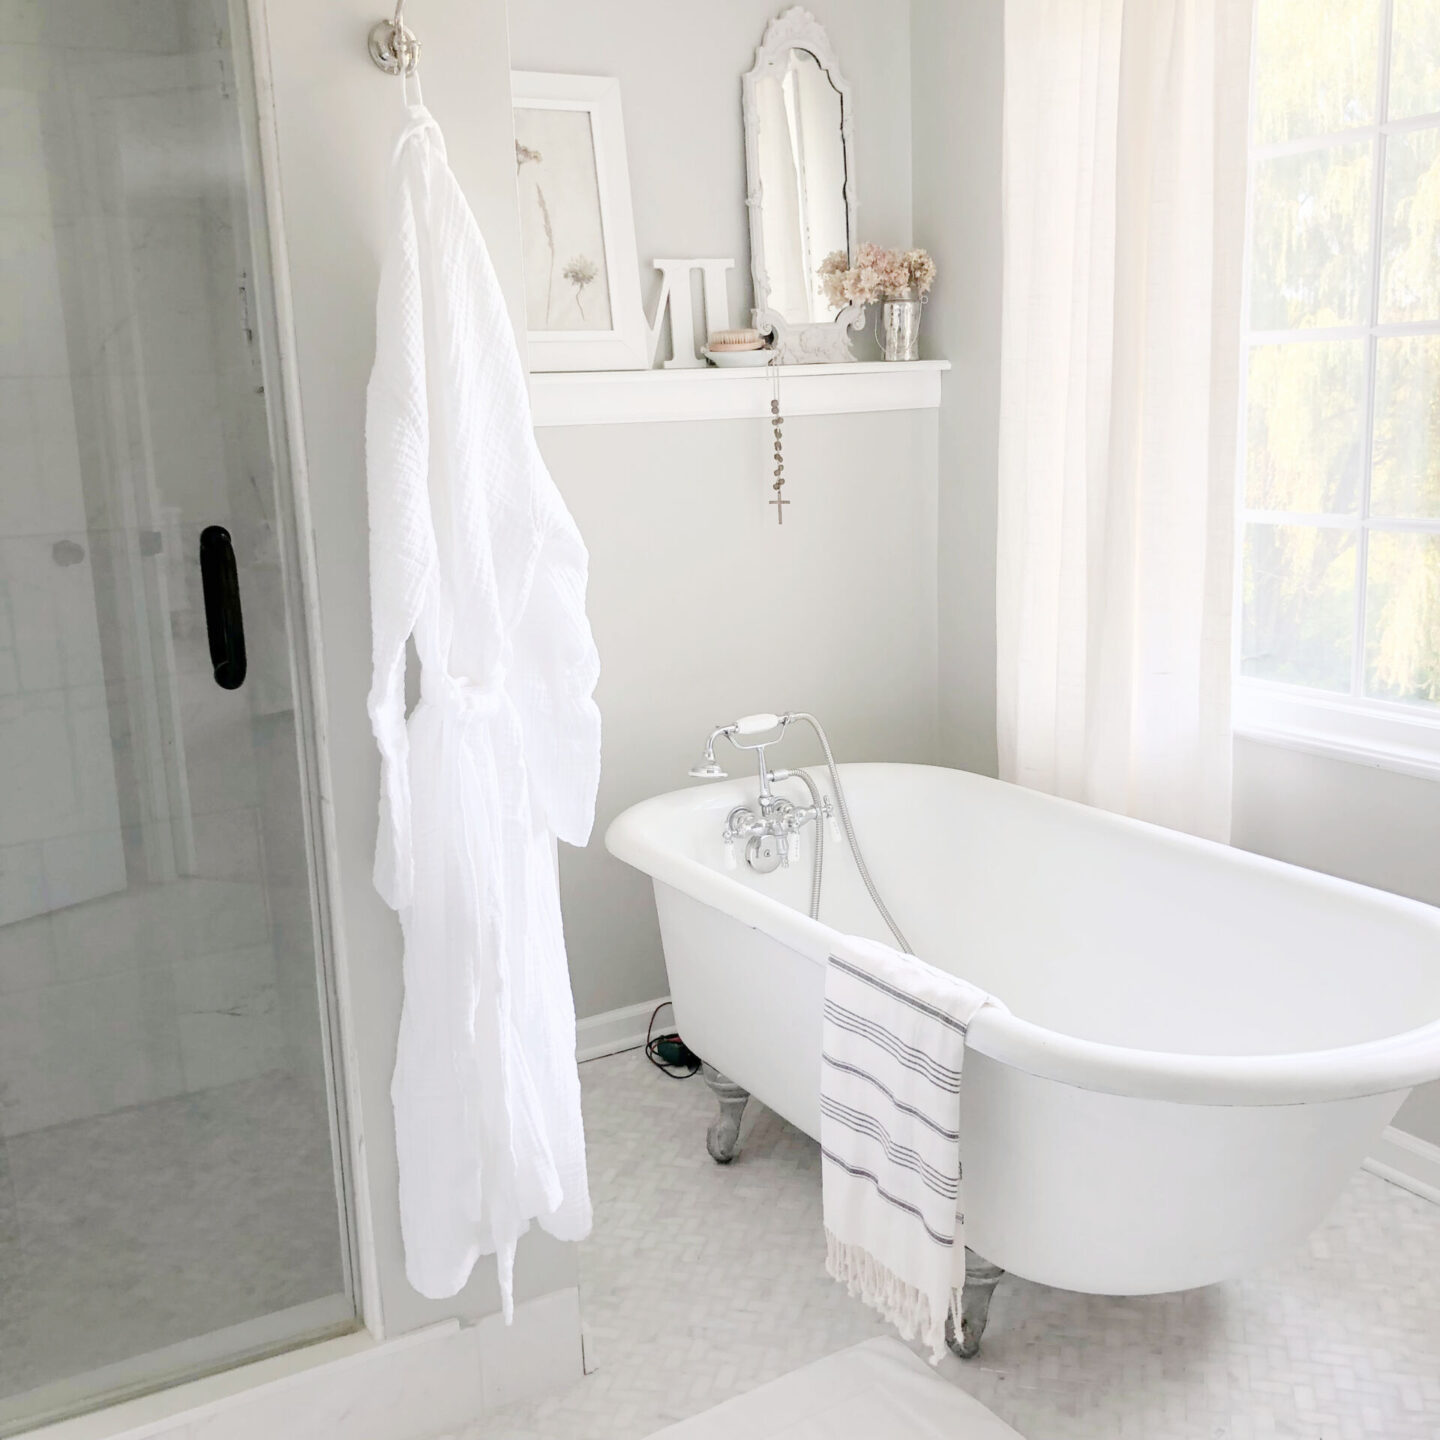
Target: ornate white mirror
800,177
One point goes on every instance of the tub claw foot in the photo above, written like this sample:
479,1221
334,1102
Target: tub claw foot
722,1139
981,1277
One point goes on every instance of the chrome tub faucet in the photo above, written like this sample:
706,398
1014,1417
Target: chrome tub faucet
770,830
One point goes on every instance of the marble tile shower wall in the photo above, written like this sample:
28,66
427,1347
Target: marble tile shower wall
60,826
138,943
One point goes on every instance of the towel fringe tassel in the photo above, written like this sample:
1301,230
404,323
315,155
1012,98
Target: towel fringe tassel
906,1308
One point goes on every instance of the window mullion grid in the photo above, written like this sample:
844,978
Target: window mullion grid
1318,334
1367,459
1273,148
1371,331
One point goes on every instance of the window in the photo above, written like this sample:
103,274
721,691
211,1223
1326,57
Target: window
1339,570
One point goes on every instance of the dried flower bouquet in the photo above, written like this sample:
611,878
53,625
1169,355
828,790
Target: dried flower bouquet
877,274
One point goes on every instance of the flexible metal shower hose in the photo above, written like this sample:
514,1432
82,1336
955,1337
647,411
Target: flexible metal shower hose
817,865
846,824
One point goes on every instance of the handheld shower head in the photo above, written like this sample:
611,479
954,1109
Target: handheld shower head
706,767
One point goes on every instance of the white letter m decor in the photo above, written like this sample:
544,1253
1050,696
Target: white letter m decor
675,292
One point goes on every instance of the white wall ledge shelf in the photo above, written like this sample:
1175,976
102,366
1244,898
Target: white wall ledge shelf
619,397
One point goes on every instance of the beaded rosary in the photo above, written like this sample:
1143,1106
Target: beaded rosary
776,421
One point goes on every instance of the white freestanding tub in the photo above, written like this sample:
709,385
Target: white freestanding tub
1201,1046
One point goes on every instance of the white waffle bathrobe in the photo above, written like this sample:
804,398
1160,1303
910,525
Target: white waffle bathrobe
473,552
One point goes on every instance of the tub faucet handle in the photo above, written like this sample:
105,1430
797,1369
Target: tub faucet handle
756,724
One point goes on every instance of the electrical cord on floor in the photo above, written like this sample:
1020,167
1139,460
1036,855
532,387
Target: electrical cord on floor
669,1052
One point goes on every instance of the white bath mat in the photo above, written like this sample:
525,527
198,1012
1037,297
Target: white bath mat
876,1390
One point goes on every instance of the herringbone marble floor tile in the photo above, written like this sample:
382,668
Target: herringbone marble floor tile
702,1281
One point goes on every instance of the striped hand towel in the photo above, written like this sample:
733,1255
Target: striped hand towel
891,1056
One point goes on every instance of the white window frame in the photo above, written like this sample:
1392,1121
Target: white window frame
1351,726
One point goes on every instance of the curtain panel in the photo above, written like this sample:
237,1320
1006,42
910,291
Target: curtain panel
1124,231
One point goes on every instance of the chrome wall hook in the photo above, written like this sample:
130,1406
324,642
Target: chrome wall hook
393,46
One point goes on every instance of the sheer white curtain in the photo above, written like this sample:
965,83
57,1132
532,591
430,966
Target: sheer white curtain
1124,221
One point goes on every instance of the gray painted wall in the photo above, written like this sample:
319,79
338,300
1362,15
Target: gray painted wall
337,119
704,609
956,69
685,557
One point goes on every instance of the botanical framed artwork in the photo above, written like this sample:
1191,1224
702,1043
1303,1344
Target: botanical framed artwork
577,230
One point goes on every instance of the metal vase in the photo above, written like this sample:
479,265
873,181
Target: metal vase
900,328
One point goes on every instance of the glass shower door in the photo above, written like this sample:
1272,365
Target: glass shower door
172,1196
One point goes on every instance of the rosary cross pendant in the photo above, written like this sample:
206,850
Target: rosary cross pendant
776,421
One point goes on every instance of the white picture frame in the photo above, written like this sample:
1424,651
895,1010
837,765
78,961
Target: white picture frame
583,307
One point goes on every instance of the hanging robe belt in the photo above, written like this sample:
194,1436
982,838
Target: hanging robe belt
473,697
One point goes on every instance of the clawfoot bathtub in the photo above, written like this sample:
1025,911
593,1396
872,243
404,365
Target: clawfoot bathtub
1202,1044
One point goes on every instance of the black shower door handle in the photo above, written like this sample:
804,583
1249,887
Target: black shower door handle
223,619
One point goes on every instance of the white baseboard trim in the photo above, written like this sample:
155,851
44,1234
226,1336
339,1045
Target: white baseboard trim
1409,1162
614,1031
421,1386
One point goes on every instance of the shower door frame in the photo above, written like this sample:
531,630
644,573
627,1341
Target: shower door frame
275,332
321,1320
354,1306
